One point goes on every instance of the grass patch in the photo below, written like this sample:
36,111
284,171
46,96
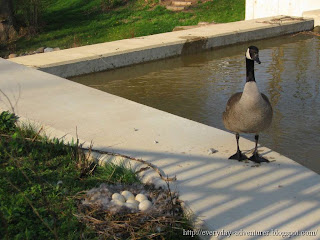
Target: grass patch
76,22
41,179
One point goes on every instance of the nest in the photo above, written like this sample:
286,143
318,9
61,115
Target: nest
111,221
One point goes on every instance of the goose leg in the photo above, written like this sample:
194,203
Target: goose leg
255,156
238,155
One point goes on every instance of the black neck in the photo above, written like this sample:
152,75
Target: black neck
250,70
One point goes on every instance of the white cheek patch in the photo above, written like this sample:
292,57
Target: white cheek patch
248,54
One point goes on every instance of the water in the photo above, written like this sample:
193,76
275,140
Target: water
198,86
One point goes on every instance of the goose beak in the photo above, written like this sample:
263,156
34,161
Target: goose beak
256,58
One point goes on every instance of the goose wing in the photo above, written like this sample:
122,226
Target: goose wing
226,116
233,100
270,110
265,98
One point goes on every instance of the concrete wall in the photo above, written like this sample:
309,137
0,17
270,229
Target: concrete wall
110,55
262,8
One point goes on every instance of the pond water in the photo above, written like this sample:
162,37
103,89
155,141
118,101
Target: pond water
198,86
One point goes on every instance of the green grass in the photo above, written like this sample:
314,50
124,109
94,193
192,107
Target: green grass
81,22
32,203
41,178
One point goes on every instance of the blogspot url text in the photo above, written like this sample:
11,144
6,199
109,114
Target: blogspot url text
243,233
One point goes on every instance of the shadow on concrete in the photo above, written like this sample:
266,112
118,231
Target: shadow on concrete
231,195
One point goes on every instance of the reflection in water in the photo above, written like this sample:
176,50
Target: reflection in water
275,70
198,86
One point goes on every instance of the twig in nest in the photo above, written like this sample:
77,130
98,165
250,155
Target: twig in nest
170,194
132,225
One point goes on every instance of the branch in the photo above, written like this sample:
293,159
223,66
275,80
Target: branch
8,99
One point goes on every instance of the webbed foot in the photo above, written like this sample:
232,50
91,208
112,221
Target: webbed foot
257,158
238,156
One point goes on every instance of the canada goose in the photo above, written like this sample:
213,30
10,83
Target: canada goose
249,111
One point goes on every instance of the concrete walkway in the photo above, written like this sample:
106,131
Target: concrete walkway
225,195
110,55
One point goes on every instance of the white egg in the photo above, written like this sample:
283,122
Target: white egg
117,202
140,197
115,195
135,202
145,205
127,195
119,197
131,205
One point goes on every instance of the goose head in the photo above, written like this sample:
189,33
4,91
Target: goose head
252,53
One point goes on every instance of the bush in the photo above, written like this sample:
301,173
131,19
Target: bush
7,122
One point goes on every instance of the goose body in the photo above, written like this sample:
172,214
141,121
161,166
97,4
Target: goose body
249,111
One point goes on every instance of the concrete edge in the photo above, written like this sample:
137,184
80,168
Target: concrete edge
315,14
148,176
175,44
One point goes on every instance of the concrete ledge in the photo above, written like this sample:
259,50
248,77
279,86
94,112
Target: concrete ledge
315,14
110,55
279,197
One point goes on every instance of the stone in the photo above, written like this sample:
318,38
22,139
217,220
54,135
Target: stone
175,8
39,50
56,49
316,29
212,151
48,49
12,55
203,23
179,28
